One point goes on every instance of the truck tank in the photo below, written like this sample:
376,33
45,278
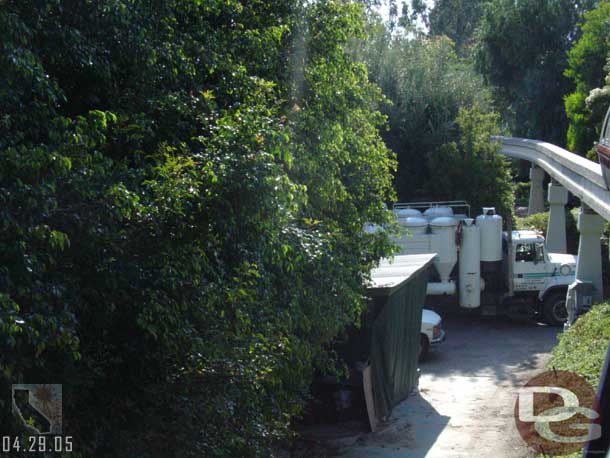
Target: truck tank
438,212
444,228
490,226
470,266
413,238
403,213
415,225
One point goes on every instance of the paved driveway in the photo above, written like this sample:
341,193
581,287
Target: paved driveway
466,397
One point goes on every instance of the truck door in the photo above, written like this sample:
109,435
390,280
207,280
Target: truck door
531,267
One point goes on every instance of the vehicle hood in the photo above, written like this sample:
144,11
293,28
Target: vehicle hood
430,317
560,258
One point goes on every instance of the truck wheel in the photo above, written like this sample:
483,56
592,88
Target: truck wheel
424,346
554,309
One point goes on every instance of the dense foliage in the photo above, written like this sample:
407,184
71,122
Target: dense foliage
586,61
440,119
520,48
470,168
183,187
599,98
522,192
582,349
458,20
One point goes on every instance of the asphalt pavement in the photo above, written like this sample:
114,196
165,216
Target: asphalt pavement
467,390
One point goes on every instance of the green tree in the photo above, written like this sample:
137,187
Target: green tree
428,87
179,180
586,60
520,49
458,20
599,98
414,17
470,168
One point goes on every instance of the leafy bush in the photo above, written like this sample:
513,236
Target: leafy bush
582,349
586,60
179,182
471,168
522,194
601,94
539,222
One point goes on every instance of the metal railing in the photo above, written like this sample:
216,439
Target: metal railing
453,204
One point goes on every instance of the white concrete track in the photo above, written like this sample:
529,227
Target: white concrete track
582,177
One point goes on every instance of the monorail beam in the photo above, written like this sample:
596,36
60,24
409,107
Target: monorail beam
580,176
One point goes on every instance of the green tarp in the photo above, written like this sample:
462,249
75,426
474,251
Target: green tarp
394,342
389,335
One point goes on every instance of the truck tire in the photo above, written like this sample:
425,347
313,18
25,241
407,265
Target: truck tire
554,309
424,346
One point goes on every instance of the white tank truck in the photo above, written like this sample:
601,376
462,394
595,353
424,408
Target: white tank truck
478,264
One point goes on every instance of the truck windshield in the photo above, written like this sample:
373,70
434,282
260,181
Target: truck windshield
529,252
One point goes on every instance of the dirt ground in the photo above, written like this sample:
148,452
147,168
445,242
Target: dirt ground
467,392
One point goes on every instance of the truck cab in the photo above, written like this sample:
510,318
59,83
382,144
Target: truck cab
478,266
537,272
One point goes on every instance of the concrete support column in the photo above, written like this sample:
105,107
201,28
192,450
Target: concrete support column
536,202
556,229
589,266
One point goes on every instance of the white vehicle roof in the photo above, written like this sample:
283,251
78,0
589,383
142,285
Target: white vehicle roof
526,237
430,317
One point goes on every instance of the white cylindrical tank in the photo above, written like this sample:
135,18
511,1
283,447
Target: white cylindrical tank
403,213
438,212
444,228
490,226
470,266
440,289
416,226
370,228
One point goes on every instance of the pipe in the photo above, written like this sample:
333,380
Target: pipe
438,289
469,279
510,256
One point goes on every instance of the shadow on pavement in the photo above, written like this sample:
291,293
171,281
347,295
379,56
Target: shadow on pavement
467,388
399,437
499,347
